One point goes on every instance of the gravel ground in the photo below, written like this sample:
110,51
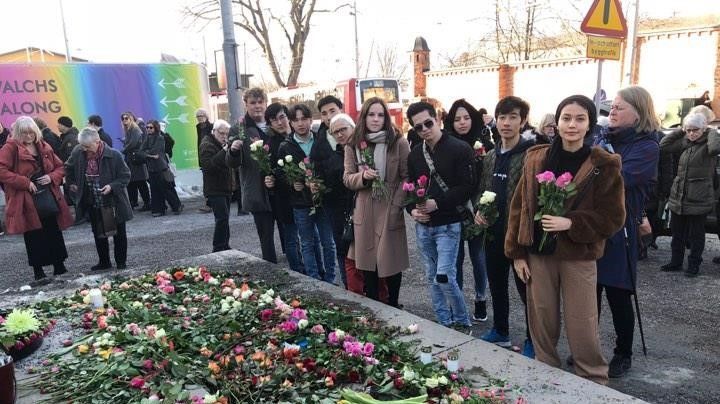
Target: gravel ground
679,314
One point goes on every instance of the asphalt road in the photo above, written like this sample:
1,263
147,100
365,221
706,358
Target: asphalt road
680,315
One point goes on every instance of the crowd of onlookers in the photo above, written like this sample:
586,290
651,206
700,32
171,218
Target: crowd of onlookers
568,206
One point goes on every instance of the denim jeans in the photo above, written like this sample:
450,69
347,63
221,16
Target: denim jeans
479,265
438,249
308,226
292,246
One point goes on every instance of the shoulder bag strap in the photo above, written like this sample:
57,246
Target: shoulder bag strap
595,172
462,209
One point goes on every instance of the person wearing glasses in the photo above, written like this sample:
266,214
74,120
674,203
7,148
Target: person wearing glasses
449,163
501,172
692,193
28,166
380,247
132,145
161,178
632,134
465,123
546,129
99,176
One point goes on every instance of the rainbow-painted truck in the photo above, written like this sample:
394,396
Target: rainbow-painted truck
169,92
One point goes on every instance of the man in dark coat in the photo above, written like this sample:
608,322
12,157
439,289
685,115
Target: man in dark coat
107,165
68,137
219,179
48,135
203,128
96,122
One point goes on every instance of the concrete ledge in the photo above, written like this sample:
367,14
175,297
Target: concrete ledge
540,383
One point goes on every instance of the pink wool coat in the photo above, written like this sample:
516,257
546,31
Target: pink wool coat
20,213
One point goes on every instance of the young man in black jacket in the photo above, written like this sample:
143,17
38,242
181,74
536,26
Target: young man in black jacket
448,164
309,219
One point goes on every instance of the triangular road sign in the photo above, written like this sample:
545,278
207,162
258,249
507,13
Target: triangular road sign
605,18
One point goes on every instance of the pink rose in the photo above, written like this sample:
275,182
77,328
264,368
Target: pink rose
363,145
289,326
309,173
148,364
299,314
317,329
306,160
266,148
545,177
266,314
563,180
168,289
420,192
137,382
422,181
408,187
368,349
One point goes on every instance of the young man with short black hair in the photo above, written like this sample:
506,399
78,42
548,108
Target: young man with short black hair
329,106
501,172
449,165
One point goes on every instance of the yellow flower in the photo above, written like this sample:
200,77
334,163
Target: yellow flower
105,353
287,383
83,348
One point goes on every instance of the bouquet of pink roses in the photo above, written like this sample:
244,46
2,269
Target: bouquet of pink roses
416,191
553,194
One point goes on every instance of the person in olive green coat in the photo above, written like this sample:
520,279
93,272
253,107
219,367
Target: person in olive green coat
692,193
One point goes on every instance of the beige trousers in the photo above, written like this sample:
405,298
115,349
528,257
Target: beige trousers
575,282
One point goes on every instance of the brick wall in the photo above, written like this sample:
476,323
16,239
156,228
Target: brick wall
421,64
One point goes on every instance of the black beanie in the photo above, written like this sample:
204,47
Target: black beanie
65,121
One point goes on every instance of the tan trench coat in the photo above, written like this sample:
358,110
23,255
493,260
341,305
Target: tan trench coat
380,238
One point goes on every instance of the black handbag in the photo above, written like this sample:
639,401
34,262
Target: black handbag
137,158
43,199
348,234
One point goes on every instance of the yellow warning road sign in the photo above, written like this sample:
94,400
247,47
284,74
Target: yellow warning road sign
605,18
602,47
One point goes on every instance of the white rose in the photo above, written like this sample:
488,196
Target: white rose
246,294
160,333
302,324
340,334
487,197
288,158
477,145
301,165
412,328
270,292
408,374
209,399
253,147
431,382
442,380
281,162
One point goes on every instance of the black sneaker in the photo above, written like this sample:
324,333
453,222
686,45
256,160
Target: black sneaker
121,266
101,267
480,311
692,271
671,268
619,366
41,282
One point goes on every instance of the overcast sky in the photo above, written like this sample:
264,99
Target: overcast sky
137,31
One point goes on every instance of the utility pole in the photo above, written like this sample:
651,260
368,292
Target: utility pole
631,45
234,92
357,48
67,43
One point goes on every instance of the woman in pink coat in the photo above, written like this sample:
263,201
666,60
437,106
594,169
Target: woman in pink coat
29,165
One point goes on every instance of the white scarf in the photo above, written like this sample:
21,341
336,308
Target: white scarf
380,152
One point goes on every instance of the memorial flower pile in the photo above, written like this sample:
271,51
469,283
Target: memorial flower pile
187,335
21,328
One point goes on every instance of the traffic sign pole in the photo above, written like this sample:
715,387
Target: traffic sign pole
598,86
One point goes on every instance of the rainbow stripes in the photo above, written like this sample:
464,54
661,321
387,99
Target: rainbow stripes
159,91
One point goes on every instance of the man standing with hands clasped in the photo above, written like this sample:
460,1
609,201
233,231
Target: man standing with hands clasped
448,163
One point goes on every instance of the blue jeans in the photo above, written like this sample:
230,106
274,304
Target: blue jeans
308,227
479,265
292,247
438,249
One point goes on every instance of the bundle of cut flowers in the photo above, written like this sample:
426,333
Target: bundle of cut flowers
22,327
164,335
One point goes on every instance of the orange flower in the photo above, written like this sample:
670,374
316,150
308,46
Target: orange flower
289,353
244,287
287,383
266,363
214,368
222,400
258,356
226,337
225,360
295,303
179,275
239,358
205,352
300,367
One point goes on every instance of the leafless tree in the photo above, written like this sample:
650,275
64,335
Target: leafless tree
258,20
388,63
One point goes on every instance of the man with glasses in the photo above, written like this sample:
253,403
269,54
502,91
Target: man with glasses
219,179
309,219
203,128
449,164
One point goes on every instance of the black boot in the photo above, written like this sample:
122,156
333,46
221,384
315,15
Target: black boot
671,267
692,271
619,366
59,269
40,278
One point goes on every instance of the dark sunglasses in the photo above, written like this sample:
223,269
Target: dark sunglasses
428,124
125,118
150,127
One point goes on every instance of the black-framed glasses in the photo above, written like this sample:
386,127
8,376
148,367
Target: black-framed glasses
428,125
693,130
150,127
340,130
125,118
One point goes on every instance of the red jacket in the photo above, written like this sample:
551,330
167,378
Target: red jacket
20,214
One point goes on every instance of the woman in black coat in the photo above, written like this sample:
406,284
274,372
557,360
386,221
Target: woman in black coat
132,143
161,178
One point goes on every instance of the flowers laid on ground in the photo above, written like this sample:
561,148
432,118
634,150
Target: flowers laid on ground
486,206
553,194
21,328
416,191
315,183
260,152
240,342
367,157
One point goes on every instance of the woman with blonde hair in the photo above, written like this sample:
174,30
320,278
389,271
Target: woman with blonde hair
31,174
380,245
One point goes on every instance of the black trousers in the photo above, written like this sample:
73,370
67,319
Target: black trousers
132,190
265,225
220,205
337,215
498,266
46,245
620,302
372,286
102,245
160,192
687,229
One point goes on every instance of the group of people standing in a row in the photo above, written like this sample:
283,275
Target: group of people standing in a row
43,173
369,168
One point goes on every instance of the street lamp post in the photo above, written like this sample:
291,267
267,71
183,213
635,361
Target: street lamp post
234,91
67,43
357,48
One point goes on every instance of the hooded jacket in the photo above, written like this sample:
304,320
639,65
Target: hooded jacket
600,212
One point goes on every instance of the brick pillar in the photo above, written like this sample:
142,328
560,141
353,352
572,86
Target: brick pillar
506,81
635,68
421,64
716,90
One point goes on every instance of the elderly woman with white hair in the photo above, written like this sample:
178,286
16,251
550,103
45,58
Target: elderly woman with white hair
99,177
31,174
691,195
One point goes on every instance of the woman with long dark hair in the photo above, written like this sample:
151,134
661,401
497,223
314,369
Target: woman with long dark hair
28,167
380,246
569,272
132,143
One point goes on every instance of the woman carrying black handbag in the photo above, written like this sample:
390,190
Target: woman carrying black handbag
31,175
